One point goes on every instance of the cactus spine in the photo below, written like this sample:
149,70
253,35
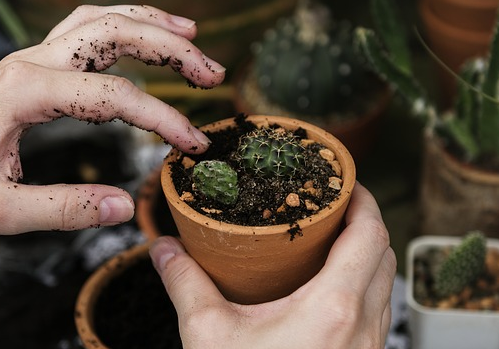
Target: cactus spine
216,180
463,265
270,153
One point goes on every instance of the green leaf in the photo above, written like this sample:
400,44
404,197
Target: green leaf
392,32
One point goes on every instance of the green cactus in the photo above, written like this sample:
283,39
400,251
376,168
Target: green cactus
463,265
473,126
307,65
216,180
270,153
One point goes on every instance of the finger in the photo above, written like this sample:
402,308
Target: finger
386,321
62,207
146,14
188,286
380,289
98,45
364,237
94,98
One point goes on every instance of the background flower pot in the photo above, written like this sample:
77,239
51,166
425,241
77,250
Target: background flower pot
124,319
258,264
455,197
455,40
449,328
358,133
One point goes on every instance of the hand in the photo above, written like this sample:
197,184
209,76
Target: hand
346,305
57,78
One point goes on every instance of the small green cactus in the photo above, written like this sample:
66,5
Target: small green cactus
463,265
216,180
270,153
306,63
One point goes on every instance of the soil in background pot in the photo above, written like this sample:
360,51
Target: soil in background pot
134,311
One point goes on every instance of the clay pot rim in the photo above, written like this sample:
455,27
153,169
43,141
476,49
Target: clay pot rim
462,169
91,290
469,36
145,203
342,155
479,4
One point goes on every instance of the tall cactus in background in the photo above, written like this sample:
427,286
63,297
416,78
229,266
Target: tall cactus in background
473,125
307,65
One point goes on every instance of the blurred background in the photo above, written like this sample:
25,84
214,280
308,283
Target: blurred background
42,272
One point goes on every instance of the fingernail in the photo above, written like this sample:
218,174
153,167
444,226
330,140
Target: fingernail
212,65
201,137
182,21
115,209
161,252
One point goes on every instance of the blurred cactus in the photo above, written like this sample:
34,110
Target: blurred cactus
462,266
270,153
473,125
216,180
307,65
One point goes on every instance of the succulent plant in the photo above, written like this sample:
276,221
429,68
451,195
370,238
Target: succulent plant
473,125
306,63
216,180
270,153
462,266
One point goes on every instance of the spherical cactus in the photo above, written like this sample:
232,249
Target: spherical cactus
463,265
216,180
270,153
307,64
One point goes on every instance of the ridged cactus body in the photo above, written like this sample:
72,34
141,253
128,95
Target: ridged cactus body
307,65
462,266
216,180
270,153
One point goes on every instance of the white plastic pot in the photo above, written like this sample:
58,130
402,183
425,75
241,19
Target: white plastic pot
432,328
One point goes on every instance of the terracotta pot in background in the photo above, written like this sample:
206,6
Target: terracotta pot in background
359,134
472,15
455,40
85,308
455,197
258,264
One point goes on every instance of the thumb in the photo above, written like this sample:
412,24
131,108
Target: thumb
28,208
187,284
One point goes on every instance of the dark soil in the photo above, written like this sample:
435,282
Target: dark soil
259,194
482,294
134,311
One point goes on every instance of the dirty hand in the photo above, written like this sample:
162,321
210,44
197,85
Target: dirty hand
58,78
346,305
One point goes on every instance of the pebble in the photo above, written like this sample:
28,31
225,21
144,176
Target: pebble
293,200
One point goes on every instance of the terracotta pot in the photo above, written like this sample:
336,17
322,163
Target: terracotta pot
453,44
471,15
455,197
91,290
258,264
358,134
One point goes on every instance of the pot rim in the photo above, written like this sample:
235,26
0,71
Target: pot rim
469,36
91,290
421,243
342,155
462,169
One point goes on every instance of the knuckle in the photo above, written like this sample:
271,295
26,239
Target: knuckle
14,70
122,87
378,231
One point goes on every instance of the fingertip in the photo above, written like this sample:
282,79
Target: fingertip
115,209
162,250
